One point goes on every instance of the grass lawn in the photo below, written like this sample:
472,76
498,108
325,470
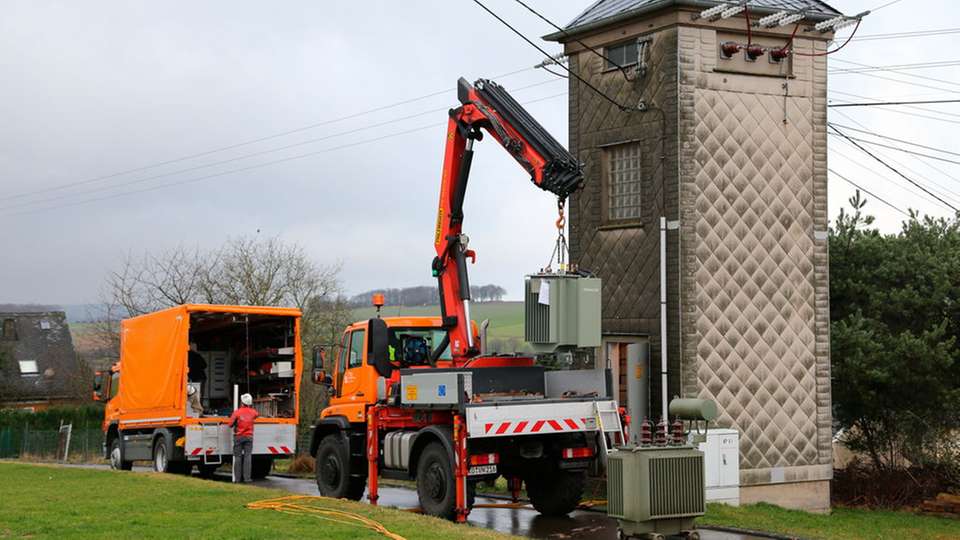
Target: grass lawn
842,523
41,501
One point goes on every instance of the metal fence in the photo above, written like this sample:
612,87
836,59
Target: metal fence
65,444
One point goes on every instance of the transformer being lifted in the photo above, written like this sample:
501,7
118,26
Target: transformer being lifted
418,398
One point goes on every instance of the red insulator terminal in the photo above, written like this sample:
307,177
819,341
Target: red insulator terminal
662,428
778,55
755,51
729,48
646,433
679,436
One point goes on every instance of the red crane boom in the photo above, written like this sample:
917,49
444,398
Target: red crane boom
485,106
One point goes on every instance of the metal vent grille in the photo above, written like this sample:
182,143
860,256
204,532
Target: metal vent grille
676,486
536,318
615,486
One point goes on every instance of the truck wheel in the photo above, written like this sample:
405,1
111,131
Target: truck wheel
161,456
261,467
555,493
333,470
436,485
116,457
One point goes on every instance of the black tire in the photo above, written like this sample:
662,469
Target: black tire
556,493
161,455
436,484
333,472
116,457
261,467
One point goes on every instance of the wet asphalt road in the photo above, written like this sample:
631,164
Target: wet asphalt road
517,521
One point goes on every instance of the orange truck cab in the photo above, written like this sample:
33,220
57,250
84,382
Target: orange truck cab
356,384
179,377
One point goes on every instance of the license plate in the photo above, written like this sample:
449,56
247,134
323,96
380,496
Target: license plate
478,470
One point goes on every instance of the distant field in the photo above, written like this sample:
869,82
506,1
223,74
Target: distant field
506,320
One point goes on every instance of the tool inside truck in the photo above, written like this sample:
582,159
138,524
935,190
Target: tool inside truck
250,353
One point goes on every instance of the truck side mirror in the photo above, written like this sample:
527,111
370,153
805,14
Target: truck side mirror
378,347
98,386
318,357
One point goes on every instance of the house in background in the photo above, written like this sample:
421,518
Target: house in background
724,137
38,365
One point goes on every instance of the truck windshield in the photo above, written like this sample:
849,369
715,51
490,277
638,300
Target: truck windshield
412,346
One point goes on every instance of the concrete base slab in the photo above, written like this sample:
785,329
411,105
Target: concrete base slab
809,496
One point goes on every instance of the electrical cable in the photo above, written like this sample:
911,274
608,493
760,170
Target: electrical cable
898,67
925,163
885,164
891,147
892,2
899,111
904,35
243,169
868,132
622,69
826,53
552,72
892,103
899,72
247,142
867,191
899,185
300,505
623,108
245,156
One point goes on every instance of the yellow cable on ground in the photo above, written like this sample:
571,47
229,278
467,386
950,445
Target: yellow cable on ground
299,505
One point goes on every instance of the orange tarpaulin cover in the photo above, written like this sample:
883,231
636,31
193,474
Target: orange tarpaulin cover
153,349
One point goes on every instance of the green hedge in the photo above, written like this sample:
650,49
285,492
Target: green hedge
81,416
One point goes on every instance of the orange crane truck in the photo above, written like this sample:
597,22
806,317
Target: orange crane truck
180,373
417,398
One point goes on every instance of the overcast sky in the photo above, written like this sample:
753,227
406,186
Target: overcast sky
91,89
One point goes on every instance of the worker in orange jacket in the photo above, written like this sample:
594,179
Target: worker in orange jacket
242,422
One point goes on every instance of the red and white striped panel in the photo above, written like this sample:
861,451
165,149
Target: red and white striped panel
529,427
279,450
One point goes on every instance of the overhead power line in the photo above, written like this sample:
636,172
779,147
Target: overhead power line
868,192
892,103
885,164
245,143
622,69
904,35
248,168
897,67
897,110
546,54
900,72
875,134
241,157
890,3
911,152
945,191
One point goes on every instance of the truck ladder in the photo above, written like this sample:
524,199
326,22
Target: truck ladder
608,421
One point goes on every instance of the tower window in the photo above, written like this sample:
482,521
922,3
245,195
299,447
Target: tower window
622,183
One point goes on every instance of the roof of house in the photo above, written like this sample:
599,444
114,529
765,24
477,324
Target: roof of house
603,12
37,359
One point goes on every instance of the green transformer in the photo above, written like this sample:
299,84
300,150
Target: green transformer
655,490
561,311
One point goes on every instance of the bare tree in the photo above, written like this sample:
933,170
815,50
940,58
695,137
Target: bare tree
244,271
248,271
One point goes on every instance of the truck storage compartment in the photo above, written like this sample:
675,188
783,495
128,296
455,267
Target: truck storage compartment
253,352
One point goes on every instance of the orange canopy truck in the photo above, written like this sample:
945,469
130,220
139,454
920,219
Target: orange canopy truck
180,373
